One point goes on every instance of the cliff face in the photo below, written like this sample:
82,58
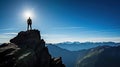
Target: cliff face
27,49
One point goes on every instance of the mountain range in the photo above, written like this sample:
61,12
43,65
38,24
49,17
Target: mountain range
76,46
79,58
27,49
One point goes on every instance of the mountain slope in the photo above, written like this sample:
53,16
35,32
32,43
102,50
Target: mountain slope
104,56
69,57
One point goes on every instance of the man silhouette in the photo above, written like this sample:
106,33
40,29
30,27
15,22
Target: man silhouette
29,22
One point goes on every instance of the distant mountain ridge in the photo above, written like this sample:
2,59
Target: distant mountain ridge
76,46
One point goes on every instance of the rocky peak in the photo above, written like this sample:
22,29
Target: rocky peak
29,35
27,49
28,39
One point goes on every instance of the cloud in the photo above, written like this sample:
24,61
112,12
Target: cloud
11,33
54,35
99,39
69,28
6,29
63,38
5,38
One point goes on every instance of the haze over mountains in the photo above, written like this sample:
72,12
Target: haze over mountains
76,46
72,57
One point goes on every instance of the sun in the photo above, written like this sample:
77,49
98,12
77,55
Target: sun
28,14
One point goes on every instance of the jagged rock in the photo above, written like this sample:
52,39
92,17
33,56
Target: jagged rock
28,39
57,62
27,49
7,52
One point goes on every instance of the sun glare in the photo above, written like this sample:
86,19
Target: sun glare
28,14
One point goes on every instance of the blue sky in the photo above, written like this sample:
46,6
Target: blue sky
63,20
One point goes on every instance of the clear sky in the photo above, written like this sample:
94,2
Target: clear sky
63,20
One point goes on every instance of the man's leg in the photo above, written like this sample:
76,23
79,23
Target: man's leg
30,27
